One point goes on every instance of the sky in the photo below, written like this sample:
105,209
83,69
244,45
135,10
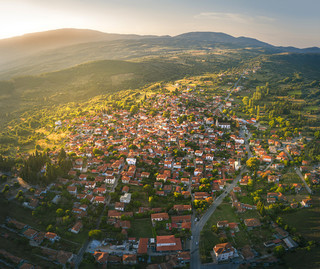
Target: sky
278,22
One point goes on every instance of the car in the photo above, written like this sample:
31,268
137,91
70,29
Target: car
197,243
225,192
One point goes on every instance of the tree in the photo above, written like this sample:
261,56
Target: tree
258,112
245,100
166,114
59,212
134,109
279,251
214,228
96,234
50,228
5,188
272,123
253,163
19,194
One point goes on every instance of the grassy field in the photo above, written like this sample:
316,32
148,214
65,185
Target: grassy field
209,239
291,177
16,211
306,221
223,212
141,228
303,259
249,214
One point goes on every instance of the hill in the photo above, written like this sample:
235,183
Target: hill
80,47
80,83
26,45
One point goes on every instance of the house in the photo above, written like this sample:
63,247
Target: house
52,237
119,206
201,195
181,222
30,233
273,179
101,257
110,179
245,180
129,259
131,161
99,199
306,202
267,158
224,251
16,224
222,224
182,208
72,190
77,227
125,180
224,125
252,223
126,198
125,189
145,174
113,214
162,177
159,217
168,243
143,246
39,237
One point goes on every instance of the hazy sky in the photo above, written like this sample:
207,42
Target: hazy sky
279,22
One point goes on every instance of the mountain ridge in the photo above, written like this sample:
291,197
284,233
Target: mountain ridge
63,48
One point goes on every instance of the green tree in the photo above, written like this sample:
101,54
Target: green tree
214,228
253,163
166,114
96,234
59,212
5,188
279,251
134,109
245,100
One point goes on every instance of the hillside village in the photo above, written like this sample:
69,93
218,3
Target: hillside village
141,181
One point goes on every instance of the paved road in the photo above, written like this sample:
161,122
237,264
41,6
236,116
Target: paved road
198,226
296,169
302,178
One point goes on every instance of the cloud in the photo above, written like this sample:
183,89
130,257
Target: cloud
233,17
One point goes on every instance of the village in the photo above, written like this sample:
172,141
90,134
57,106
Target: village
170,182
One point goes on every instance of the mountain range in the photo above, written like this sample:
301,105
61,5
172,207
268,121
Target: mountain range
58,49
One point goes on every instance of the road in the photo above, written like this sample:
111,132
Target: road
198,226
296,169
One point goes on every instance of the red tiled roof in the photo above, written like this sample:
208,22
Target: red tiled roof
143,246
168,243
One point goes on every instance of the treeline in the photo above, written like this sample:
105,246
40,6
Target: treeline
6,164
39,169
312,149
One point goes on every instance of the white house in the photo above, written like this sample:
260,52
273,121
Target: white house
126,198
131,161
224,251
